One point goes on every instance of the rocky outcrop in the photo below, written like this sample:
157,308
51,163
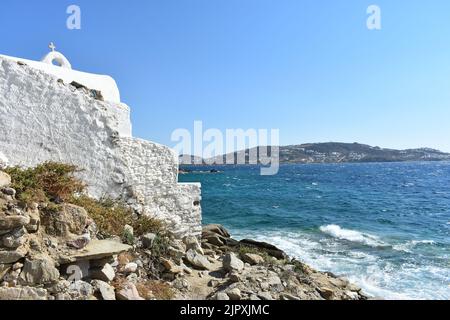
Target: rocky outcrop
251,270
39,261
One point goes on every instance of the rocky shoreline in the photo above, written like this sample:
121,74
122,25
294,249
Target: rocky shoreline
60,255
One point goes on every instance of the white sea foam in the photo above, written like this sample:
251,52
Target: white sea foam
351,235
409,245
376,276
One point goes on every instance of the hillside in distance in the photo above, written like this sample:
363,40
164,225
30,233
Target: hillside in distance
331,152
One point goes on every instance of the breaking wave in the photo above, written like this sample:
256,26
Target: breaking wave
336,231
408,246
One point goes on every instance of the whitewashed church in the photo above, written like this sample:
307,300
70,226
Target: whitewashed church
48,111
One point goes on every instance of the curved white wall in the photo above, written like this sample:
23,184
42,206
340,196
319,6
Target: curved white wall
105,84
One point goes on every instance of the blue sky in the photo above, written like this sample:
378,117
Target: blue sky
310,68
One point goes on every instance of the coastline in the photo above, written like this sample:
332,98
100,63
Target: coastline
59,251
357,220
253,270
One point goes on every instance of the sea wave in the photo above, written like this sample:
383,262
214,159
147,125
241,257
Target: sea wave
376,276
409,245
351,235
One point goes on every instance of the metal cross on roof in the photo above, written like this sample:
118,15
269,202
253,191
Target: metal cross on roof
52,46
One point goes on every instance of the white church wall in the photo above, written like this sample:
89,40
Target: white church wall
43,119
105,84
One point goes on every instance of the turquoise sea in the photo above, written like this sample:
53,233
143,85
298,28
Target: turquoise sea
385,226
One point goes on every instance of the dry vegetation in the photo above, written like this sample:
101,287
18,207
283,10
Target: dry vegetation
154,289
52,183
48,182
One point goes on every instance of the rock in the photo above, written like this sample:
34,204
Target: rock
234,294
81,289
148,240
287,296
35,218
139,263
171,267
254,297
192,243
59,287
15,239
39,271
12,256
49,242
186,269
9,191
12,277
211,259
13,222
105,273
252,259
181,284
130,267
326,293
273,281
265,296
353,287
234,277
80,242
175,253
207,247
95,250
70,221
197,260
133,278
215,240
222,296
213,283
4,269
17,266
217,229
351,295
128,292
5,179
266,247
23,293
231,263
178,244
104,290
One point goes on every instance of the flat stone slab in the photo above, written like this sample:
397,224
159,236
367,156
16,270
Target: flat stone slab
95,250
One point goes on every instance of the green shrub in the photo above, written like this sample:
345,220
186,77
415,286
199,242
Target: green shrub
48,182
145,224
111,217
51,183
